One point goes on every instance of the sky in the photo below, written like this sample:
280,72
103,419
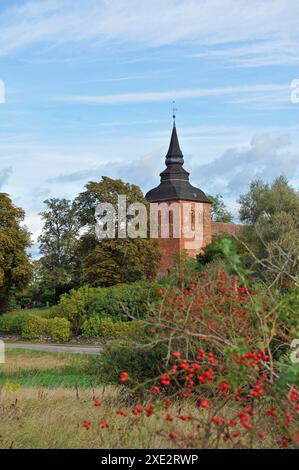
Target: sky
86,89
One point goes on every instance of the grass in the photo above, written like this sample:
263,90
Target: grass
32,418
42,312
44,398
46,369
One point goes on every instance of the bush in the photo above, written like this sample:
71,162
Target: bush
288,310
214,366
105,327
140,362
73,306
123,301
34,327
12,324
59,329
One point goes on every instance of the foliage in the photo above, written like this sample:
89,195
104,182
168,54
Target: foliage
106,328
271,230
34,327
12,324
288,309
219,210
140,362
73,306
59,329
124,301
110,261
15,267
100,269
266,200
223,358
58,242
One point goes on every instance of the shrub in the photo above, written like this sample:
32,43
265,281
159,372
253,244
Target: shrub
34,327
92,327
288,310
59,329
215,359
12,323
140,362
124,301
73,306
105,327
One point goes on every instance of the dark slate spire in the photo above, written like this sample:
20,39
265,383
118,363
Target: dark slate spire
174,154
175,179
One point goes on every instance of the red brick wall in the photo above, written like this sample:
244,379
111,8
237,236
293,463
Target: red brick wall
220,227
171,246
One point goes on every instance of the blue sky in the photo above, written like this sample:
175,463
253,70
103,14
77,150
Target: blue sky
89,89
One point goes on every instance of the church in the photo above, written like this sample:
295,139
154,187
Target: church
176,191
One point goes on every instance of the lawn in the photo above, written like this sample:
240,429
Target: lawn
42,312
45,369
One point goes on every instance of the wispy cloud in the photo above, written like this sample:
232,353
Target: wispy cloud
264,53
4,175
142,171
156,96
137,22
266,157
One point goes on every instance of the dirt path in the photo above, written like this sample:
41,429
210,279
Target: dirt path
54,348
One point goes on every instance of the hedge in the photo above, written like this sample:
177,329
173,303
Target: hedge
31,326
12,323
123,301
105,327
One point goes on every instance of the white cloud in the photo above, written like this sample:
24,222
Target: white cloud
140,22
156,96
282,51
266,157
2,92
4,175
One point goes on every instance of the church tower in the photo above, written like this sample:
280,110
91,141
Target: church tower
183,208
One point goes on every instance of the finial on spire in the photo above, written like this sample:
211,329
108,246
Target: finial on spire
174,109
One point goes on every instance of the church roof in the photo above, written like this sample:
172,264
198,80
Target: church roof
175,183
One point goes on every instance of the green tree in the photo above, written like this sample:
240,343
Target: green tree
219,211
109,261
271,230
58,243
100,269
15,266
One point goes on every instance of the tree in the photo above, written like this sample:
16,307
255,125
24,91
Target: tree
271,230
15,266
100,269
219,211
126,259
58,243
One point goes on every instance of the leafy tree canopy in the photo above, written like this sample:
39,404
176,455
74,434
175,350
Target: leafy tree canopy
15,266
219,210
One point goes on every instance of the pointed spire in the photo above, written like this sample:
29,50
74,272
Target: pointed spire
174,154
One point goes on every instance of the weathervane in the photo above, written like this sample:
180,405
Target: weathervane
174,109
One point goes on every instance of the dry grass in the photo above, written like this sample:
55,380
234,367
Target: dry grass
16,360
46,369
33,418
50,417
38,417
